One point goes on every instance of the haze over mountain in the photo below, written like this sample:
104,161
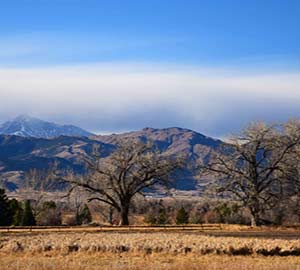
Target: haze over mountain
27,126
210,66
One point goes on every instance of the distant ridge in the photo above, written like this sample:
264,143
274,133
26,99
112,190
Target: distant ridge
20,154
172,139
27,126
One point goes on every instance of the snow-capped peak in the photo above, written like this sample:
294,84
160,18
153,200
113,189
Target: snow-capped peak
28,126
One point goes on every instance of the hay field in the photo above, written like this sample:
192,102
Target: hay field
112,250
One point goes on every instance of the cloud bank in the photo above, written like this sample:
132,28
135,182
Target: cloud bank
113,97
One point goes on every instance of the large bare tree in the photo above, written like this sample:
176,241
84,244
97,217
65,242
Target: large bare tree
252,166
131,169
292,168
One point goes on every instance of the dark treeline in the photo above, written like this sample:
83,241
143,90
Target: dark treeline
39,212
13,212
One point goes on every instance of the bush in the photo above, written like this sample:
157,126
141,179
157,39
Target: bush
49,215
157,218
70,221
182,216
224,212
150,218
84,216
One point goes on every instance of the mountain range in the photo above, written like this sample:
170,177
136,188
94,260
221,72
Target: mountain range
27,126
39,148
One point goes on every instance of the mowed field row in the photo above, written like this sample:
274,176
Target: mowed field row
203,229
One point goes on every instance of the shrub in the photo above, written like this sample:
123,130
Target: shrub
49,215
84,216
182,216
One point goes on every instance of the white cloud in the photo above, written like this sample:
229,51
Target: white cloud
128,96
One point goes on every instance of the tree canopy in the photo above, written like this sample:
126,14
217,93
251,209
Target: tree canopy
133,168
252,166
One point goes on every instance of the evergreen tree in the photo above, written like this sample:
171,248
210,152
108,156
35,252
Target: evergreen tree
162,216
5,218
182,216
28,218
85,216
16,212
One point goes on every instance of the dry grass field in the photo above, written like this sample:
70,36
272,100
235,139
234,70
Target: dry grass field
141,250
109,261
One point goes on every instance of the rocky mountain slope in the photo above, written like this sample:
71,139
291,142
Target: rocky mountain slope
20,154
171,140
174,141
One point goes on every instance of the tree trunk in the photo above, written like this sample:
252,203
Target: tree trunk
254,208
254,219
124,216
110,215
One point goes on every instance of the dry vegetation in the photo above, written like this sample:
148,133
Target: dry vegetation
148,243
144,251
108,261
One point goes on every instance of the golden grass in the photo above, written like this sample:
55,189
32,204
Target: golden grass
109,261
146,243
108,251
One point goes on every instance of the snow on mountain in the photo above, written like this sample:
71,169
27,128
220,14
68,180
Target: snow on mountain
27,126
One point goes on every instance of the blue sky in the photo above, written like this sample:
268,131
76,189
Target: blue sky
232,43
198,32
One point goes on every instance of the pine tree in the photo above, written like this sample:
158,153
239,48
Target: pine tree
16,212
28,218
85,216
5,218
162,216
182,216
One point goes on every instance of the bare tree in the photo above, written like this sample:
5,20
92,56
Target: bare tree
292,169
131,169
251,167
76,201
43,179
107,212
